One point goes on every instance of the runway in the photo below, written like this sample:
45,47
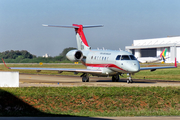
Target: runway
28,80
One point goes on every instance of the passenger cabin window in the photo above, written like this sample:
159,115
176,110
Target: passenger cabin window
132,57
118,57
125,57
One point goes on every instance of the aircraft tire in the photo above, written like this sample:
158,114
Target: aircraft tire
117,78
85,79
128,81
113,79
131,81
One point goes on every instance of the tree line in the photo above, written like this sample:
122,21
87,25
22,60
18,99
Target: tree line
24,56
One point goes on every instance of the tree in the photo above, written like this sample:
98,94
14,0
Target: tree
24,56
15,54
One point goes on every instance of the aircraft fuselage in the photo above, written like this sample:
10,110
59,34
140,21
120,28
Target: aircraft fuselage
111,62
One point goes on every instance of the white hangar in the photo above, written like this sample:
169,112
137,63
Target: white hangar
154,47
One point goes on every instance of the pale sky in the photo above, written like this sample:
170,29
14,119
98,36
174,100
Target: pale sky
124,21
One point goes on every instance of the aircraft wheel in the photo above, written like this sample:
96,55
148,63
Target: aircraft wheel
131,81
85,79
113,79
117,78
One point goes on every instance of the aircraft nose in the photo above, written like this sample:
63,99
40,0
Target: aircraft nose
135,67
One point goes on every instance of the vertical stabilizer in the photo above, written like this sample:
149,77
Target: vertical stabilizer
81,39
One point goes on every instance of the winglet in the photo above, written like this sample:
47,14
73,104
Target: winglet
175,64
5,64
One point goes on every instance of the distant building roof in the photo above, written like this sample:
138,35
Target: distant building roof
157,41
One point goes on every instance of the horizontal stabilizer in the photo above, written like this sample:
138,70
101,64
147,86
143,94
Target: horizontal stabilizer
70,26
65,26
89,26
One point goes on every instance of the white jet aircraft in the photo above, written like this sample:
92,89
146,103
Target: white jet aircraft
98,62
161,58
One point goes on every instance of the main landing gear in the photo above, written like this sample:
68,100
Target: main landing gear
129,80
85,77
115,78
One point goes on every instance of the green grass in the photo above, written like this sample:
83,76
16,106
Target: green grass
90,101
160,74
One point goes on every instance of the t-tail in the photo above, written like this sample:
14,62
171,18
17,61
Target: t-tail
80,37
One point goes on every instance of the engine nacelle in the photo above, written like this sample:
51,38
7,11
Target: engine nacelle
74,55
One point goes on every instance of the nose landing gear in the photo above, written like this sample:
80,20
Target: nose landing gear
129,80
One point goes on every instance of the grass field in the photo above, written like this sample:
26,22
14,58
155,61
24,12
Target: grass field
90,101
161,74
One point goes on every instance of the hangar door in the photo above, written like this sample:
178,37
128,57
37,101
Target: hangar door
151,52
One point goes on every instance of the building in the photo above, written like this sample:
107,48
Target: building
46,55
154,47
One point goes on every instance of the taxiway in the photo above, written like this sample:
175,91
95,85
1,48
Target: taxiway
28,80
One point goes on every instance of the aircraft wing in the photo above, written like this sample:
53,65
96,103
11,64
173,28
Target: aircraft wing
154,68
55,69
58,69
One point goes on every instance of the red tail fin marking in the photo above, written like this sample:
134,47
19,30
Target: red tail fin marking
81,33
5,64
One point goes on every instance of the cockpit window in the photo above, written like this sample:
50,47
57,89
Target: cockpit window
118,57
125,57
132,57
